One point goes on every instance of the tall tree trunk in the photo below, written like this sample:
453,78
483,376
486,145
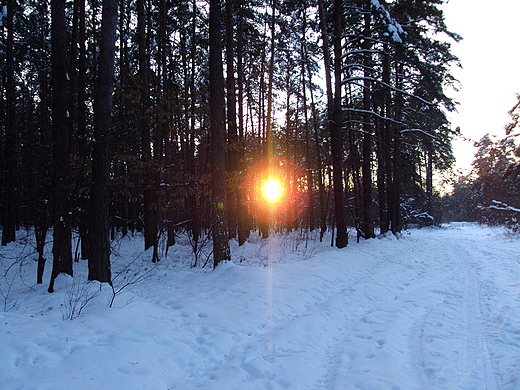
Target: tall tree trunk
289,128
334,117
384,174
218,142
270,77
335,128
322,207
367,224
8,197
62,248
193,198
317,139
99,260
395,193
123,115
41,210
150,203
381,174
242,212
233,146
83,148
264,225
354,171
326,60
391,174
166,106
73,71
308,158
429,178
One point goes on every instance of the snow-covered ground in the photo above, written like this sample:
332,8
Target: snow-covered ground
435,309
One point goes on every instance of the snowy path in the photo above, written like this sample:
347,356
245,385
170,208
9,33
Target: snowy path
428,316
437,309
423,316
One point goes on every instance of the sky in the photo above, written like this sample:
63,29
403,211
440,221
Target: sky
490,80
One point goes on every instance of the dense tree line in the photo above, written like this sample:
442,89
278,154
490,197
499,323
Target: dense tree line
490,193
145,116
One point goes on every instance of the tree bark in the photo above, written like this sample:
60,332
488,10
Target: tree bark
8,170
335,128
270,77
330,101
62,248
99,260
242,212
190,71
384,174
150,203
334,116
83,149
221,250
395,192
233,146
264,225
429,179
308,157
41,217
367,224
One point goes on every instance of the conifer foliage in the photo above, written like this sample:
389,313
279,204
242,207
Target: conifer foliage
490,193
353,93
497,176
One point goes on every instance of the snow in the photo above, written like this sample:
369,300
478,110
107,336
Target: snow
498,205
395,30
3,15
434,309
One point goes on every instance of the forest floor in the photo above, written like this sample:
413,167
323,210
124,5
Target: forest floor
434,309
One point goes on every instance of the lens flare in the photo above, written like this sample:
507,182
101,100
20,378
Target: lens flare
275,190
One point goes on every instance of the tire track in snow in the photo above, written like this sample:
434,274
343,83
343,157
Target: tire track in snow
418,319
432,320
477,370
498,274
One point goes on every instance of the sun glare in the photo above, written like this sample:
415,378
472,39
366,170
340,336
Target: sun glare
272,190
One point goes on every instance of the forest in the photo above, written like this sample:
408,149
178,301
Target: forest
161,118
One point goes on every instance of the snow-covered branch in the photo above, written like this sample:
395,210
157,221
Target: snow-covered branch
361,111
419,131
497,205
395,30
360,78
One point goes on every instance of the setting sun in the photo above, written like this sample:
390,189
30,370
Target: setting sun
272,190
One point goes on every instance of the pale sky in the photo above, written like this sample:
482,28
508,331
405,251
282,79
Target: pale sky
490,78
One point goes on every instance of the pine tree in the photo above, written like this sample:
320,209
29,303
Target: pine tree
221,250
62,247
8,174
99,259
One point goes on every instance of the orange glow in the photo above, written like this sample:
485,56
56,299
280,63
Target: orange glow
273,190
